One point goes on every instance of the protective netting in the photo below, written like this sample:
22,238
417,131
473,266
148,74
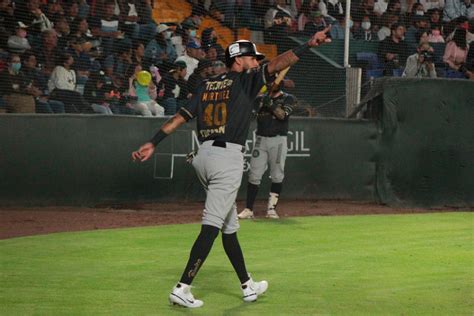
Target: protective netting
88,56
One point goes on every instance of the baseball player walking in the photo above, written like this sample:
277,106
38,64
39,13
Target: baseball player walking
222,107
270,148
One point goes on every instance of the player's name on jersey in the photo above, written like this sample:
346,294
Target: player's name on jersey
218,85
207,132
216,96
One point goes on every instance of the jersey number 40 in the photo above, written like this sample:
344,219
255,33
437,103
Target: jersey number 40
215,115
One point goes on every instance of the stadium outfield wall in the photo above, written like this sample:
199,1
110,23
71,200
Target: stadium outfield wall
420,151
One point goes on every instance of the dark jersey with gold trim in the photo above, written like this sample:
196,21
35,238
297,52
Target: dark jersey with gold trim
223,105
269,124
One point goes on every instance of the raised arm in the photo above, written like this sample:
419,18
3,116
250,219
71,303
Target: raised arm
290,57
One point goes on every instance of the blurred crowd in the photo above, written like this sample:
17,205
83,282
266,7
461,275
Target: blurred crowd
83,56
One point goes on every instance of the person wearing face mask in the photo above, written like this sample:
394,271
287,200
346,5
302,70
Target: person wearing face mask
17,90
18,43
365,32
421,64
338,29
161,48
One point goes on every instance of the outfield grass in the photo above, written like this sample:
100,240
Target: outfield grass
345,265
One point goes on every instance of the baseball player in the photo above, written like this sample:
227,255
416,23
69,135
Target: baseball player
270,148
222,107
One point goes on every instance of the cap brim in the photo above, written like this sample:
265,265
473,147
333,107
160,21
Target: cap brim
259,56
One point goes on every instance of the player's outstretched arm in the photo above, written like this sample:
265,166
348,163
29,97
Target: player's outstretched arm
290,57
146,150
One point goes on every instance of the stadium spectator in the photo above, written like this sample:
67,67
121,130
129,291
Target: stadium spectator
209,39
130,17
393,50
18,43
385,31
197,14
54,8
97,94
435,19
193,54
304,15
33,16
7,18
278,33
419,25
316,24
469,71
201,73
138,53
421,64
72,11
365,32
48,52
218,68
121,62
82,60
40,82
338,29
380,7
189,31
435,36
455,54
211,52
279,6
161,49
80,28
16,89
454,9
84,9
106,27
145,95
170,87
331,8
432,4
61,26
62,86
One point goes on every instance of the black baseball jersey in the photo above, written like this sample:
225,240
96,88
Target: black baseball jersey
223,105
268,123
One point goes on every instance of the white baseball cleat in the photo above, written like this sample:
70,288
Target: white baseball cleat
251,290
272,214
246,213
181,295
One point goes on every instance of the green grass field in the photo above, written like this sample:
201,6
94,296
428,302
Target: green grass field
344,265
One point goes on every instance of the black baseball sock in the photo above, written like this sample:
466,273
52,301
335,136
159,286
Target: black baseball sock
201,248
235,255
276,187
252,191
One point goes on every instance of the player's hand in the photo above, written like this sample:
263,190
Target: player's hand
320,37
143,153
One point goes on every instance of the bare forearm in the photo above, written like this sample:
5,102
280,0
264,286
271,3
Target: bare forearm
173,123
282,61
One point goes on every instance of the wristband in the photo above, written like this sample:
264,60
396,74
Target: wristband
300,50
158,137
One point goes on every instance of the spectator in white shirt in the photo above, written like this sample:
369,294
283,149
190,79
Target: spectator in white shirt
62,87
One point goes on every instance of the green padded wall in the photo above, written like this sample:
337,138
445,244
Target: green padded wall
85,160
